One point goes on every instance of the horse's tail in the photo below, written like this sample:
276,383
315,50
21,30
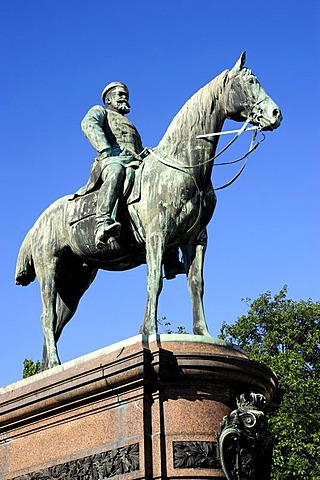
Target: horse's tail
25,272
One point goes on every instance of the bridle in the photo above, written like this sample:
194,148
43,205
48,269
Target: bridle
253,146
185,168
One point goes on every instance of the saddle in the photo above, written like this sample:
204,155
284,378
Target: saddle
85,205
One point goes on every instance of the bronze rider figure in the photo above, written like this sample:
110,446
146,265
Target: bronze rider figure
119,146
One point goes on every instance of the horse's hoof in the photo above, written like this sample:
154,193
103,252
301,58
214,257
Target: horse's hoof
52,364
200,331
146,331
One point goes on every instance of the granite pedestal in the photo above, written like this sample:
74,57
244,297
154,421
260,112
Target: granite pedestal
144,408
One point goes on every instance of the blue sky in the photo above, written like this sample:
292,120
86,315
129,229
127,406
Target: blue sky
56,57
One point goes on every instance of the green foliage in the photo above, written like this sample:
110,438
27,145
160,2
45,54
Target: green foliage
30,368
165,326
285,335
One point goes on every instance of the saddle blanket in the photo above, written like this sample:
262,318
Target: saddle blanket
85,206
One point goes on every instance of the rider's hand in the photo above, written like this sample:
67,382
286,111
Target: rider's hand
123,153
106,152
116,151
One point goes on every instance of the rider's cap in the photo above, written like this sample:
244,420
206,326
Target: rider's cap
112,85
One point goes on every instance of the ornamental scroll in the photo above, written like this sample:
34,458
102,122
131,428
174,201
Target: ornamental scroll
244,446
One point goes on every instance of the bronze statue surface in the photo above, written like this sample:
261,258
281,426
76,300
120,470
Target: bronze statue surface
119,146
168,206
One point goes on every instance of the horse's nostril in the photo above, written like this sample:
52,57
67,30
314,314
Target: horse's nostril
276,112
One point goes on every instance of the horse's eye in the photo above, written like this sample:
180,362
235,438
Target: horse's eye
252,80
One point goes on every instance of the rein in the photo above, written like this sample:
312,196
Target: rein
185,168
180,166
245,157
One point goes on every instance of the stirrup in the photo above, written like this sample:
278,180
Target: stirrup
106,230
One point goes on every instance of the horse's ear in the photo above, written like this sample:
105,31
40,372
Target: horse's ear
240,63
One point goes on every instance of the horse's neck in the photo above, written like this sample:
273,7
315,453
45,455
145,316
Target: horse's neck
203,113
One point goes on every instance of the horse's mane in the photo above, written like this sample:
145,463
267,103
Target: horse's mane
195,117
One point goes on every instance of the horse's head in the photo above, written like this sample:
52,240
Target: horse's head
247,100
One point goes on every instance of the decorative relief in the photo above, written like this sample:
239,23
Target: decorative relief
244,445
96,467
195,455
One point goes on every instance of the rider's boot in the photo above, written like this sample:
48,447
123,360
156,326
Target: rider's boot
106,227
106,224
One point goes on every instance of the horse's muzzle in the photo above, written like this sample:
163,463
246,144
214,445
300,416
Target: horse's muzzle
275,122
268,120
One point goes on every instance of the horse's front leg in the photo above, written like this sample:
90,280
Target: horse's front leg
154,252
193,254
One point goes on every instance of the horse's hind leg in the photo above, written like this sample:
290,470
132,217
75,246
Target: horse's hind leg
70,291
71,286
193,255
48,288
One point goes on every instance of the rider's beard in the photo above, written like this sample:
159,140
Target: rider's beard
123,106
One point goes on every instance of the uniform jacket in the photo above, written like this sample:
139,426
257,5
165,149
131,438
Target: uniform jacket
107,129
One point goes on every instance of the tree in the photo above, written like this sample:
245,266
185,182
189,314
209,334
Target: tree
285,335
165,327
30,368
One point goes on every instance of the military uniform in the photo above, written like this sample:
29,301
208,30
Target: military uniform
116,140
119,146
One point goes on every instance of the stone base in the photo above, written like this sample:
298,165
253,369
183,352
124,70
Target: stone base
144,408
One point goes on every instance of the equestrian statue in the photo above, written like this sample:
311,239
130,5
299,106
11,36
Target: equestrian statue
139,205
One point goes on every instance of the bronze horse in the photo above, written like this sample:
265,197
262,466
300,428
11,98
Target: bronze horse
176,201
